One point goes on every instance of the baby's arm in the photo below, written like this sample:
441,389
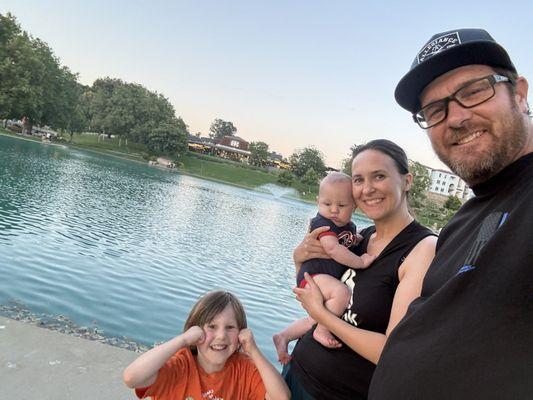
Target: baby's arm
143,371
276,388
342,255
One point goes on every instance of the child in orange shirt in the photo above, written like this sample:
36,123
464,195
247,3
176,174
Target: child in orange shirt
204,362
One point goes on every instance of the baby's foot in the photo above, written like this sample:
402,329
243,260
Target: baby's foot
282,348
325,338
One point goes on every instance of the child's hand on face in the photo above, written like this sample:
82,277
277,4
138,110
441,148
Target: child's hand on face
367,259
246,340
194,335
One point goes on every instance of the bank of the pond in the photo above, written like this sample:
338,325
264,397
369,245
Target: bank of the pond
37,363
200,166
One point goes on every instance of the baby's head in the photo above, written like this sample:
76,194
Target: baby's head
221,316
335,200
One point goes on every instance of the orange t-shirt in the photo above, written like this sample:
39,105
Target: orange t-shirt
181,378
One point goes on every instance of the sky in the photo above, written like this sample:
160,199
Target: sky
290,73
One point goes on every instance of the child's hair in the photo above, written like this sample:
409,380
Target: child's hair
335,177
210,305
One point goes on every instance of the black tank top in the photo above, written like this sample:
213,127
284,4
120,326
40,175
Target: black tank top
342,373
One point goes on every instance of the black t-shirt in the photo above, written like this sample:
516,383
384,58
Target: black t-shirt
346,235
470,334
342,373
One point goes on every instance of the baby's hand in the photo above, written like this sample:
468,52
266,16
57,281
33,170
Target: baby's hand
194,335
247,342
367,260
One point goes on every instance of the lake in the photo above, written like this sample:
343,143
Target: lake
128,248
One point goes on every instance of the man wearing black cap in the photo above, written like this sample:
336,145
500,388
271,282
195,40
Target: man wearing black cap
470,334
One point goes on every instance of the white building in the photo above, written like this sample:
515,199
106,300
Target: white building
448,184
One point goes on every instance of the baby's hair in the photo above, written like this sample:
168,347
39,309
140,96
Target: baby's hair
335,177
210,305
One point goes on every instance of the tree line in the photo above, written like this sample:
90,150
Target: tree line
38,89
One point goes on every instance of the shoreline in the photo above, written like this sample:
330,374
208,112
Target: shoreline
178,170
17,311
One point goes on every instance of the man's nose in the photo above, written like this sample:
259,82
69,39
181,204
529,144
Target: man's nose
457,114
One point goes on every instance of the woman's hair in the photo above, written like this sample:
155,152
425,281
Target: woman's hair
388,148
210,305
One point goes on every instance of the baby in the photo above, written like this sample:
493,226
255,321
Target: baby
335,208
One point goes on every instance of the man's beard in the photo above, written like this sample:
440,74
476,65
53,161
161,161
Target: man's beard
493,160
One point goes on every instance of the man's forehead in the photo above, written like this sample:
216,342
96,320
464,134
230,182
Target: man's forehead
452,80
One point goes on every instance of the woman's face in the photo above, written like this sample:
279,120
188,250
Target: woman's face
379,190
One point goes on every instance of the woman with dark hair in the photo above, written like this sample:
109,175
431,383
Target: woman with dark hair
380,293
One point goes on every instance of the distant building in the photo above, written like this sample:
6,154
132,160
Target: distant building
233,148
447,184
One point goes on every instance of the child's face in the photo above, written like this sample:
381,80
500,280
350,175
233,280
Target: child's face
335,202
221,341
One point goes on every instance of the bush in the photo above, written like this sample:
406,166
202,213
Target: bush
285,178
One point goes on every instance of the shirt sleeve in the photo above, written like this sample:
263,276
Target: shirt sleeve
319,221
168,375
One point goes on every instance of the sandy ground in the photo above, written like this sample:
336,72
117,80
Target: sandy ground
40,364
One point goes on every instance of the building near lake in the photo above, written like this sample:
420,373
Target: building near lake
445,183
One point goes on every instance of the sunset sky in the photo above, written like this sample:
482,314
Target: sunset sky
289,73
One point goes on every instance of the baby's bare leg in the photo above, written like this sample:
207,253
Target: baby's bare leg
294,331
336,299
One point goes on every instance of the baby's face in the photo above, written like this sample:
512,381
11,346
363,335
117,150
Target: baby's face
335,202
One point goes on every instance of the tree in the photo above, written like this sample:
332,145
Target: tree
33,84
346,166
131,111
309,158
259,154
452,203
310,178
285,178
421,183
169,137
220,128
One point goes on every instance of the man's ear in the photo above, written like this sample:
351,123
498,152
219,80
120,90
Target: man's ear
521,89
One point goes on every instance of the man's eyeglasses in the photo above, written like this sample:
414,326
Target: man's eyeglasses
468,96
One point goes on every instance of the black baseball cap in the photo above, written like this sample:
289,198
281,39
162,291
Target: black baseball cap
442,53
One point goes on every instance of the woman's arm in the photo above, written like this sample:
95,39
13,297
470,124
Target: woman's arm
143,371
309,248
276,388
370,344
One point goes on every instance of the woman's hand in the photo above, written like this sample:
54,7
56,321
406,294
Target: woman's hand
311,298
310,247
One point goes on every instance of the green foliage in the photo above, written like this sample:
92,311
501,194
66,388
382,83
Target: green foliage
133,112
285,178
346,166
259,154
452,203
421,183
310,177
169,137
309,158
220,128
33,84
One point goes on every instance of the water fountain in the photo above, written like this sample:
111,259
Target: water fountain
278,191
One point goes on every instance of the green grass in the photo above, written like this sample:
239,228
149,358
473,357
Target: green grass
230,172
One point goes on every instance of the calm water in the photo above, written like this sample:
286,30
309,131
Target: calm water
129,248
